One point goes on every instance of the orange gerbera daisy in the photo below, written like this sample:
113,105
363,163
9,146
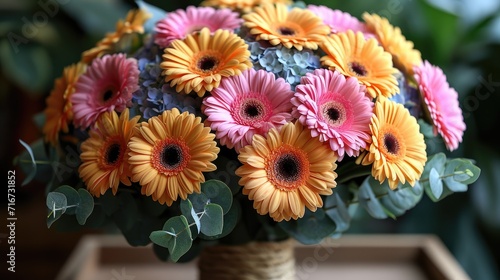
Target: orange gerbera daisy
133,23
169,153
353,56
199,62
58,113
299,28
404,55
287,171
105,155
397,152
243,6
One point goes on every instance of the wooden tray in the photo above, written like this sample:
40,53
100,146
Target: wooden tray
387,257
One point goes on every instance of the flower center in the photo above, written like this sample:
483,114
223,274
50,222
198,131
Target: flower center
170,156
107,95
113,153
358,68
391,143
207,63
252,110
286,31
287,168
334,113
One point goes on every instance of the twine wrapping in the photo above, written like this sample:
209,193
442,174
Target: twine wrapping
252,261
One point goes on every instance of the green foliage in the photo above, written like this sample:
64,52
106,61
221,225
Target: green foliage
67,200
336,210
175,236
310,229
442,176
209,214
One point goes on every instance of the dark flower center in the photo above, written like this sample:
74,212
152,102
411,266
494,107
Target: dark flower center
391,144
359,69
171,156
286,31
207,63
107,95
252,110
288,168
333,114
113,153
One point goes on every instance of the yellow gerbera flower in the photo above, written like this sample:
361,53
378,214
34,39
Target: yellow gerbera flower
169,153
133,23
397,152
404,55
58,113
243,6
105,155
199,62
352,55
287,171
299,28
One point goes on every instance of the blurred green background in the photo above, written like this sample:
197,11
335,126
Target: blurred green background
38,38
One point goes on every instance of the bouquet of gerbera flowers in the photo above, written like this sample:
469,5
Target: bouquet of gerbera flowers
247,120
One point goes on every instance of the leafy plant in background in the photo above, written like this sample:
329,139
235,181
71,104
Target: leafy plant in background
220,210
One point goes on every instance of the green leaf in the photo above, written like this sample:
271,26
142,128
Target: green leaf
471,172
198,200
85,207
56,202
181,240
230,220
368,200
426,129
188,211
336,210
72,197
310,229
31,174
161,238
212,221
218,193
435,183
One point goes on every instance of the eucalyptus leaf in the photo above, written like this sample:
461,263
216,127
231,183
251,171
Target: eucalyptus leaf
188,211
31,174
56,202
368,200
310,229
161,238
436,184
179,244
336,210
212,220
86,206
231,218
72,198
219,193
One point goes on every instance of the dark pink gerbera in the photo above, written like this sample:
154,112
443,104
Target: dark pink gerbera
106,86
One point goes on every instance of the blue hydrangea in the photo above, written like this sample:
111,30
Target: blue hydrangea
408,95
289,64
154,95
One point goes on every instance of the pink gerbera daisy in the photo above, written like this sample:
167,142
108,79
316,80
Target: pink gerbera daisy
335,109
442,103
107,85
340,21
180,23
248,104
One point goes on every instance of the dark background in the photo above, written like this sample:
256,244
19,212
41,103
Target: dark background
462,37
